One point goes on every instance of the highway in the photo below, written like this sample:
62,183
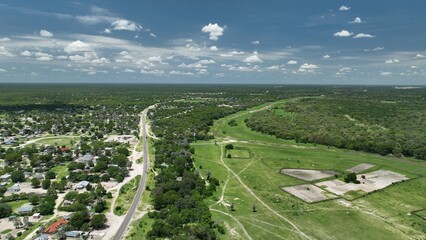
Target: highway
123,227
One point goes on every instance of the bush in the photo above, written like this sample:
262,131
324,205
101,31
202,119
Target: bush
5,210
351,177
229,146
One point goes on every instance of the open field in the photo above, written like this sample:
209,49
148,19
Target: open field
58,141
279,215
308,174
360,167
125,198
238,153
309,193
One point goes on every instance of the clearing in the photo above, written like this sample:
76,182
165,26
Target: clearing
309,193
308,174
360,167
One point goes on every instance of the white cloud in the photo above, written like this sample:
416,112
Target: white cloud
127,70
2,70
199,64
386,74
357,20
214,30
179,73
414,67
256,42
77,46
213,48
153,72
392,61
123,24
374,49
26,53
152,35
62,57
292,62
418,55
5,39
307,68
40,56
343,33
45,33
344,8
4,52
155,59
107,30
326,56
363,35
253,59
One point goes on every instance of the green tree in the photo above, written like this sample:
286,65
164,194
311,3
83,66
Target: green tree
45,184
35,183
50,175
98,221
78,219
5,210
34,199
18,176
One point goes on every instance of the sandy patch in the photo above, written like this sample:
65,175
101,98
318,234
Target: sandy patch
373,181
309,193
122,139
307,174
361,167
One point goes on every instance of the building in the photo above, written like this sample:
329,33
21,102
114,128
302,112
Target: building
14,188
42,237
81,185
26,209
72,234
54,227
5,177
85,159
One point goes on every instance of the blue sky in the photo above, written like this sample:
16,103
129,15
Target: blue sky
239,41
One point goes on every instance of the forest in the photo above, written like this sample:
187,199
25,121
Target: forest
391,122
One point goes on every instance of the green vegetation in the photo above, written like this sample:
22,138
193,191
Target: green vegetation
126,195
261,175
140,228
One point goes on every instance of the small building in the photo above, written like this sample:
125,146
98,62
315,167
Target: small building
36,216
179,179
67,203
81,185
38,175
5,177
85,159
26,209
72,234
42,237
14,188
54,227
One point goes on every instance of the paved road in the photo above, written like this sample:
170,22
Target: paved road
121,231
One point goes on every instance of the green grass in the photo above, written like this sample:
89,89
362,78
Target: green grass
238,153
15,205
60,141
126,195
140,228
324,220
6,231
60,171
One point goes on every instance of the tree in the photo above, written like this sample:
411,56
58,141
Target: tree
50,175
229,146
351,177
34,199
5,210
98,221
45,184
35,182
18,176
78,219
254,208
232,206
46,208
100,206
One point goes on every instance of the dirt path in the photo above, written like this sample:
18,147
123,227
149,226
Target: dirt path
300,232
236,220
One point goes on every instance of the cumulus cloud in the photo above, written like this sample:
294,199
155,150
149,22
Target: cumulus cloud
199,64
418,55
307,68
256,42
292,62
326,56
153,72
127,70
357,20
374,49
4,52
77,46
179,73
5,39
40,56
253,59
123,24
107,30
2,70
213,48
392,61
363,35
45,33
386,74
153,35
214,31
343,33
26,53
344,8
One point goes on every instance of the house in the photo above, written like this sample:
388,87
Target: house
81,185
72,234
26,209
5,177
14,188
67,203
85,159
54,227
36,216
38,175
42,237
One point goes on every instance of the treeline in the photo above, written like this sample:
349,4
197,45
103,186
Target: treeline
383,122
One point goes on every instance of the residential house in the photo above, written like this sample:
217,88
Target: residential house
14,188
81,185
5,177
42,237
85,159
26,209
72,234
54,227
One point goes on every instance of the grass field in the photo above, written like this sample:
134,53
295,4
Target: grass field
15,205
126,195
257,182
238,153
59,141
60,171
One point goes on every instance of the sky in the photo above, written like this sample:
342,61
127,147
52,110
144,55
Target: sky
380,42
